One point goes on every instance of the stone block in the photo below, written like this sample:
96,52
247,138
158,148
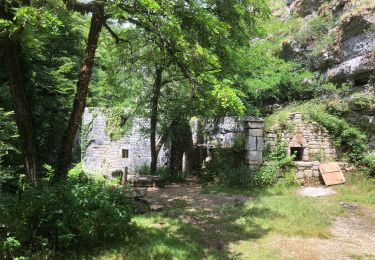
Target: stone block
300,175
254,124
308,173
251,144
255,132
260,143
315,173
254,156
303,164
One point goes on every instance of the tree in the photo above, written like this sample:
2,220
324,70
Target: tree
97,21
13,54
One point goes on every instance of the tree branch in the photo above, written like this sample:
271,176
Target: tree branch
80,7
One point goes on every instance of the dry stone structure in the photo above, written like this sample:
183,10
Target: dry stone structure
309,142
254,141
109,157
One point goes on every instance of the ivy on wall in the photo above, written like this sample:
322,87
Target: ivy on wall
117,123
85,130
349,140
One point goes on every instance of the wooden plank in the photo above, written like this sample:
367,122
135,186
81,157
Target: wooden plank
331,173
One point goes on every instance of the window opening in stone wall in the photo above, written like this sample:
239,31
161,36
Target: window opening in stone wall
125,153
297,152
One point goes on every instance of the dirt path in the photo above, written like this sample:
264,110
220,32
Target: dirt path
353,238
353,234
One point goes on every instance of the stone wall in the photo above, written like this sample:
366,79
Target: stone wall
105,156
313,138
218,132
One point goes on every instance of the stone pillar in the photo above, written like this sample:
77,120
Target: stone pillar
254,141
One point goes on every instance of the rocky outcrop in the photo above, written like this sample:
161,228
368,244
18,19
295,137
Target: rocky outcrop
357,69
351,55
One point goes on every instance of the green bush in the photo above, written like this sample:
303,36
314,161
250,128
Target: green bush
277,162
268,173
169,175
241,176
369,162
350,141
361,101
80,213
316,28
143,170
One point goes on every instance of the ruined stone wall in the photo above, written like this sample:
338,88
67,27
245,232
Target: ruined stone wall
105,156
219,132
313,138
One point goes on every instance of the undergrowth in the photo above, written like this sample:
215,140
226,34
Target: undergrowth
51,218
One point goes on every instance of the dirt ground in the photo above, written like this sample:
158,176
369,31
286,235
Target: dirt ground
353,234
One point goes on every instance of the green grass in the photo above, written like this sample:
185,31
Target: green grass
238,231
283,212
358,189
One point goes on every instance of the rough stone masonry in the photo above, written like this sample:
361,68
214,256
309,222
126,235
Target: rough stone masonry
309,141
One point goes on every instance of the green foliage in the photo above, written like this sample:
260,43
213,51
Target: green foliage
349,140
241,177
80,214
115,127
276,163
369,162
8,147
315,28
361,101
143,170
239,143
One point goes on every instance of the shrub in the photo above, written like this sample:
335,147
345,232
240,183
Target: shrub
361,101
349,140
169,175
80,213
242,176
143,170
268,173
369,162
277,161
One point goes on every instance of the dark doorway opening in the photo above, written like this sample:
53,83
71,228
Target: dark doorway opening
297,152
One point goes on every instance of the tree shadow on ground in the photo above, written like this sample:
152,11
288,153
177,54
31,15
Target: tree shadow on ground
187,229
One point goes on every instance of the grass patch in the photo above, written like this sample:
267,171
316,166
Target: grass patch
239,229
358,189
285,213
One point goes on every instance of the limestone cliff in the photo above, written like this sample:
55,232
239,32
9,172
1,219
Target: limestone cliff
344,50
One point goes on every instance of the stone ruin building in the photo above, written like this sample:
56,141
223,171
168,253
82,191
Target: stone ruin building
310,143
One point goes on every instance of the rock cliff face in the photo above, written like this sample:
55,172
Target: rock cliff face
350,56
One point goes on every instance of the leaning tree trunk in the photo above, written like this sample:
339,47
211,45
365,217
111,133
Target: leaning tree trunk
21,109
85,72
154,117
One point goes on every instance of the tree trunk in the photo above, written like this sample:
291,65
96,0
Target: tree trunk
154,118
21,108
180,139
85,72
